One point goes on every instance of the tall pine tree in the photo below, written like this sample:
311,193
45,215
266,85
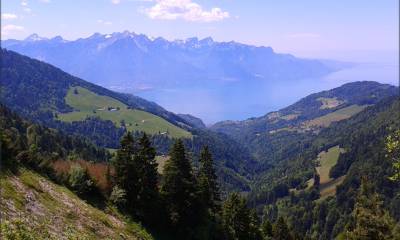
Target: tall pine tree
280,230
179,191
207,181
148,197
126,171
238,221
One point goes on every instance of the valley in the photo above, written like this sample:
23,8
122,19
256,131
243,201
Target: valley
199,120
69,142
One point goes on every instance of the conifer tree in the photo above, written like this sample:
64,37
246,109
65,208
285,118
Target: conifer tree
126,174
237,219
371,221
280,230
179,190
207,181
148,197
266,229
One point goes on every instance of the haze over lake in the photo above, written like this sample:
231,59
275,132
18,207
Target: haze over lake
210,105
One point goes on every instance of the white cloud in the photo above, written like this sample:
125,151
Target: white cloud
115,1
45,1
24,3
8,16
28,10
10,28
186,10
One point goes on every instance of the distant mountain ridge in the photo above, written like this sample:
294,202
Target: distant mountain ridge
113,60
167,71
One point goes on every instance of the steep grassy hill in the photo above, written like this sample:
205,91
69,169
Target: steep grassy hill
35,206
39,91
86,103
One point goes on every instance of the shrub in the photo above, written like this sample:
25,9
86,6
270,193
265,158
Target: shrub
118,196
80,181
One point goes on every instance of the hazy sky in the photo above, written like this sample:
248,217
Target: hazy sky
315,28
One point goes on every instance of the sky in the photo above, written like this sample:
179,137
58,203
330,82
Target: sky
340,29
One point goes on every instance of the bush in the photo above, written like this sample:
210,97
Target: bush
118,196
80,181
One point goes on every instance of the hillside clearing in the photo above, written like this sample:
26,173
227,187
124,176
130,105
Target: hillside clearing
89,104
161,160
326,160
329,102
49,211
329,188
328,119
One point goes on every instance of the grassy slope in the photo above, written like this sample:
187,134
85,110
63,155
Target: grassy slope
49,211
341,114
161,160
86,102
329,102
326,160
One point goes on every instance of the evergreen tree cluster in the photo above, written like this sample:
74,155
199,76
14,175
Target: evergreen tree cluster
182,202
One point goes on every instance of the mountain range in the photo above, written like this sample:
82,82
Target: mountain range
216,75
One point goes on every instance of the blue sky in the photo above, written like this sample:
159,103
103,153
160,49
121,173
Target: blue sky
312,28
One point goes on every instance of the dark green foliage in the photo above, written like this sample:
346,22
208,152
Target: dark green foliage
371,221
25,142
207,181
363,137
179,191
316,179
126,170
266,229
280,230
148,196
234,164
238,220
6,153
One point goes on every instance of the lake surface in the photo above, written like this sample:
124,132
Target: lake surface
257,99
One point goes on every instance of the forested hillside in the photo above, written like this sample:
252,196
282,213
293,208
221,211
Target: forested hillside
49,96
365,156
107,200
38,91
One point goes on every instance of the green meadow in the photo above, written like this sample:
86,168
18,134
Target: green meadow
89,104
